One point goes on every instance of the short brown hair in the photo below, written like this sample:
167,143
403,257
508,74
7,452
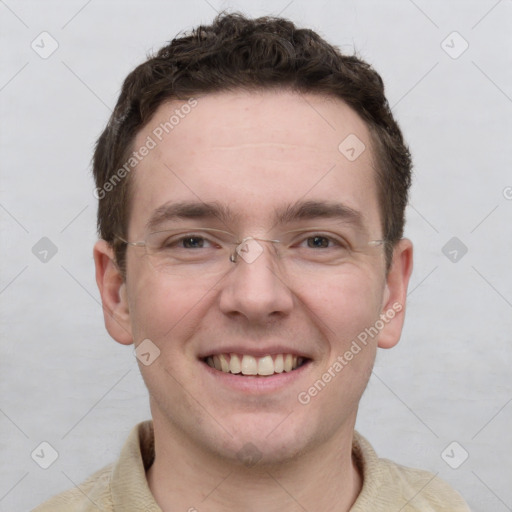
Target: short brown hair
234,53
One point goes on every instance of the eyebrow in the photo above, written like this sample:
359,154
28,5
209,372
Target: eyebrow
301,210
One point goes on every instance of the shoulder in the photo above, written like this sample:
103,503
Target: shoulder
391,486
420,490
122,484
90,496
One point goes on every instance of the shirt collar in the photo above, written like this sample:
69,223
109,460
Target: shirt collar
129,486
131,492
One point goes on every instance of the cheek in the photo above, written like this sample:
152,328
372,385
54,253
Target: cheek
161,310
346,310
344,306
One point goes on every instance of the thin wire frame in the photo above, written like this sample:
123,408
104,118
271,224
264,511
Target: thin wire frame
243,248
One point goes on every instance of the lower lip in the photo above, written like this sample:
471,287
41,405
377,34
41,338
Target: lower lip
253,384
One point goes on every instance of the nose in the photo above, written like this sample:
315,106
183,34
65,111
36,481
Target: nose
255,287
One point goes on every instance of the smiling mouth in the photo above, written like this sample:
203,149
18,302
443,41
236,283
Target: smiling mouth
245,364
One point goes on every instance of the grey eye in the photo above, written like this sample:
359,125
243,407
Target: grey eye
318,242
193,242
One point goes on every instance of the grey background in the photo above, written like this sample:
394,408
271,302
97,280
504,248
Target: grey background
64,381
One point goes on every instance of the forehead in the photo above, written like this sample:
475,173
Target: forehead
254,152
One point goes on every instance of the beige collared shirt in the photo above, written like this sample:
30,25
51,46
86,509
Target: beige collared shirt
387,487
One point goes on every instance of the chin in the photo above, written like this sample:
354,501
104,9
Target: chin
264,439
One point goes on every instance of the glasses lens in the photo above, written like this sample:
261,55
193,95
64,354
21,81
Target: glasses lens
190,251
205,251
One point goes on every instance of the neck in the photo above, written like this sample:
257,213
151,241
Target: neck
183,477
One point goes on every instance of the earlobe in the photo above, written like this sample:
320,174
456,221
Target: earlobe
112,289
395,294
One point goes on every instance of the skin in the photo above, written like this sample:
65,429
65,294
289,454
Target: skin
254,152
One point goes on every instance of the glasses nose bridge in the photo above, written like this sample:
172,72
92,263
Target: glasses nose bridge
249,249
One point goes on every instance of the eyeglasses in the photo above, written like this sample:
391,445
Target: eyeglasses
187,251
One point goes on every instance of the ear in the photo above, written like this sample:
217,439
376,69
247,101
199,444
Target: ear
112,288
395,294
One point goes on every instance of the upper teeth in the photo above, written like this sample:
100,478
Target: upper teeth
250,365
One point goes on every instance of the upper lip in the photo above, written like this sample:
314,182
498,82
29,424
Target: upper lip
255,352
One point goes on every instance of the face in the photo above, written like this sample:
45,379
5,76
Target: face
254,156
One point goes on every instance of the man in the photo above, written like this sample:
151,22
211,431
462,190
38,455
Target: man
252,184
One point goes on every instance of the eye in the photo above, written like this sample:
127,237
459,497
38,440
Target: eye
323,241
318,241
186,241
192,242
